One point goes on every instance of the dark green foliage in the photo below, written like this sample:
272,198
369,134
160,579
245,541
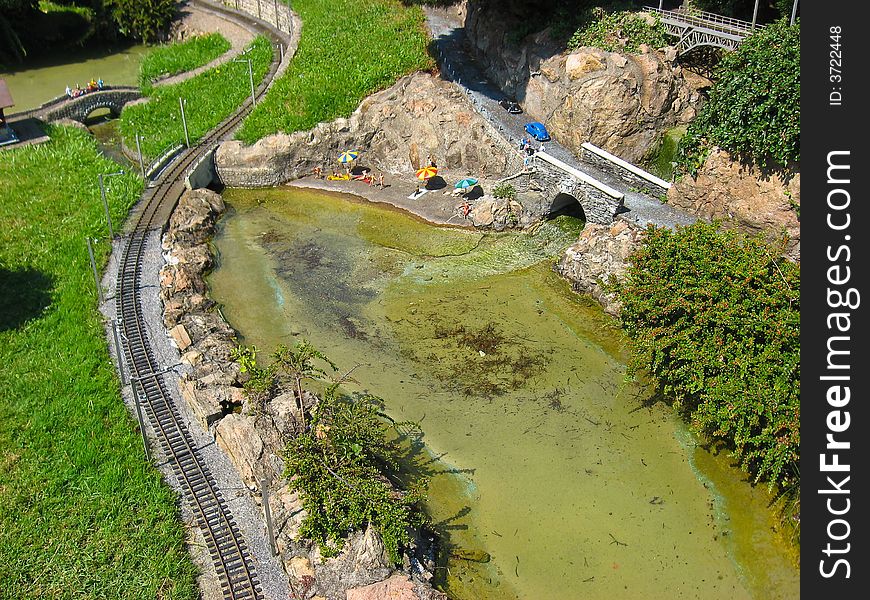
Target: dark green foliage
618,32
715,319
337,467
142,19
754,105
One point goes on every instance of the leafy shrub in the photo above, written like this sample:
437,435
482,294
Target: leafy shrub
715,319
337,467
621,31
754,104
505,191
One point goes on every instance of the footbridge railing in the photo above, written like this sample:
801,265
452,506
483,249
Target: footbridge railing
698,28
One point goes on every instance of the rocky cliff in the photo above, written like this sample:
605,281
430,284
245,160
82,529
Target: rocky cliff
619,102
398,129
743,197
600,256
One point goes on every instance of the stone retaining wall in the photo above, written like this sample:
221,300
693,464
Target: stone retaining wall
275,12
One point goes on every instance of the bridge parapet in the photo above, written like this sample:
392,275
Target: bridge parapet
629,173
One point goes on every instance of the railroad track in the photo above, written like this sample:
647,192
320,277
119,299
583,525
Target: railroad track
225,543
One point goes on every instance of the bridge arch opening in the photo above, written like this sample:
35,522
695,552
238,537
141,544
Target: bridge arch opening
99,115
566,204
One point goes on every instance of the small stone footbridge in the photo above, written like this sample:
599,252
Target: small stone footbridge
697,28
81,107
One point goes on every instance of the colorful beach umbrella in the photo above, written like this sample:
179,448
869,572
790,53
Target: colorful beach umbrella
426,173
464,184
349,156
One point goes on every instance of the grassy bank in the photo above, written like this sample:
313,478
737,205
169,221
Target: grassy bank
348,50
210,97
81,513
173,59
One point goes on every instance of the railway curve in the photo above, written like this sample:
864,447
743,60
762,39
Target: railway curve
226,544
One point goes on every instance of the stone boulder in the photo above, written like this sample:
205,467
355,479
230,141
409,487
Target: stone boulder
743,198
192,221
237,435
599,255
396,130
397,587
619,102
361,562
498,213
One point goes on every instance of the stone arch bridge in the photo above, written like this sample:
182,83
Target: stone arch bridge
561,185
81,107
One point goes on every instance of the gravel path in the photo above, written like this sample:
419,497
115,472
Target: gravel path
460,67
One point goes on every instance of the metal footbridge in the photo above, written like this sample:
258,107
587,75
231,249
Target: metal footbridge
698,28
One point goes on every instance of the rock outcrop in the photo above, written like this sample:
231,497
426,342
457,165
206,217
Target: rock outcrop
253,436
419,117
599,256
619,102
743,198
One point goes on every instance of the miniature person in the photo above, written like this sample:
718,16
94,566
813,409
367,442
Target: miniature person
100,83
68,91
381,180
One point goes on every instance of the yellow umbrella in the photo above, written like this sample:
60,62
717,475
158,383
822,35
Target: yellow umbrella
426,173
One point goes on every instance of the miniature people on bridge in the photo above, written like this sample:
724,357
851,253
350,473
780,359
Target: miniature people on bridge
99,84
68,91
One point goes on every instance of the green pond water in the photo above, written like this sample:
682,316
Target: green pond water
45,78
541,452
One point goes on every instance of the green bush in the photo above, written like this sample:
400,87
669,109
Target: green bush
621,31
754,105
338,467
178,58
715,319
505,191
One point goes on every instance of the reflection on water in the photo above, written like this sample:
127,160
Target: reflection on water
553,473
45,78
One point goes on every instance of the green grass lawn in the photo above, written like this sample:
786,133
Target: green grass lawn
178,58
348,50
210,97
82,515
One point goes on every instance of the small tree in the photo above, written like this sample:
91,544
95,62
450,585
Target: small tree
260,380
338,468
297,364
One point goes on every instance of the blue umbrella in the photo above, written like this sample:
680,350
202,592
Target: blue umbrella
466,183
349,156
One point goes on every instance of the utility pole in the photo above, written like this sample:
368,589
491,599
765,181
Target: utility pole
793,12
105,203
139,152
250,78
754,15
94,269
184,122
